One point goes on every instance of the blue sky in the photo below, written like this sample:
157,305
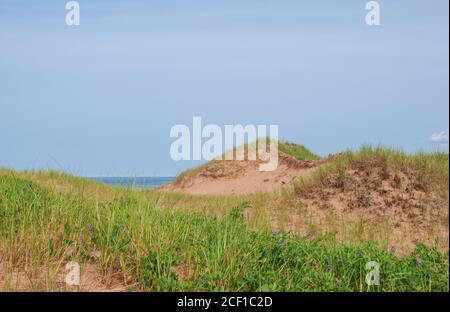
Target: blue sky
100,99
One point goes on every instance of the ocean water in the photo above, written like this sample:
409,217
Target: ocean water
134,182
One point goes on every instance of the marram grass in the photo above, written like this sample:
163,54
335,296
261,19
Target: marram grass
160,249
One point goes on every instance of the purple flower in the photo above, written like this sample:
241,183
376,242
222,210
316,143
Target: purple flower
393,248
418,261
90,228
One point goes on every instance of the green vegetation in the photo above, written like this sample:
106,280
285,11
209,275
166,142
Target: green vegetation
297,151
431,170
176,242
190,172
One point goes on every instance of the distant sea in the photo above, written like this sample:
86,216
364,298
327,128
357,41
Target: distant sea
135,182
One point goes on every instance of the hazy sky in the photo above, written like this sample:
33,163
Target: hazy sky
100,98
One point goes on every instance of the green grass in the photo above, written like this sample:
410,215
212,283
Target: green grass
168,242
190,172
297,151
431,170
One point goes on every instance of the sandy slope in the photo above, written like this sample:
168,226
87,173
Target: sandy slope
222,177
371,193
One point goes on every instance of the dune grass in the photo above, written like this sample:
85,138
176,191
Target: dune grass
430,169
177,242
297,151
166,250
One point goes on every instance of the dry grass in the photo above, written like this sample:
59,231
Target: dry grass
146,238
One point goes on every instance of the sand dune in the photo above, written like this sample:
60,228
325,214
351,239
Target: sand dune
224,177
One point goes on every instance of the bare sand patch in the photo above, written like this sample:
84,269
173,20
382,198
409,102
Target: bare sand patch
241,177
